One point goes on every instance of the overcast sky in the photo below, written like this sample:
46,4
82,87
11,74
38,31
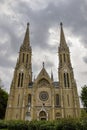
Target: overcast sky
44,17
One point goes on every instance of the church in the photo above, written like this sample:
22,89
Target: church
43,98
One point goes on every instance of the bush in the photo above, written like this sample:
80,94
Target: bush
62,124
3,124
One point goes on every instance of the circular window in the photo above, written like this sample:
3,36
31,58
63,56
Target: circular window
43,96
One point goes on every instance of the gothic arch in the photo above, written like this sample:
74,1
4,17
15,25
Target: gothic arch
42,115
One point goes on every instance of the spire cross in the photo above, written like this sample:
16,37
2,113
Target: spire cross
43,64
28,24
61,24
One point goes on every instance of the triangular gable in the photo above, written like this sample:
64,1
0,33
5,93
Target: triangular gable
43,75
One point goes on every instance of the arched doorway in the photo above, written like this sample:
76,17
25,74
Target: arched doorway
42,115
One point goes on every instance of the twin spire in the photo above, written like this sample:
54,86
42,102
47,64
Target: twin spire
26,42
62,36
27,38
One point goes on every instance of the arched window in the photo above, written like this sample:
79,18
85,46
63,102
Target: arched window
42,115
68,80
60,59
23,57
68,100
19,79
65,82
57,100
27,59
64,57
29,98
22,76
18,100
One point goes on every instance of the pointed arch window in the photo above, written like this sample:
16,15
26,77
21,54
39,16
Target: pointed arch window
29,98
22,77
27,59
65,80
23,57
19,77
18,100
68,80
68,100
57,100
64,57
60,59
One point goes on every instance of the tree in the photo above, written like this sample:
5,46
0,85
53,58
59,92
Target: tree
84,97
3,101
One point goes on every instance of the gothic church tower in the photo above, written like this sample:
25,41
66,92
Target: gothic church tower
22,78
69,96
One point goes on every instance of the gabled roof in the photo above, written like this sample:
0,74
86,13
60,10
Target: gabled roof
43,75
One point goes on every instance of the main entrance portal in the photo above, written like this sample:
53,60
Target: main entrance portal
42,115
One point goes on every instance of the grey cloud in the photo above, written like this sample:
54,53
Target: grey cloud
72,13
50,64
84,73
6,62
85,59
42,20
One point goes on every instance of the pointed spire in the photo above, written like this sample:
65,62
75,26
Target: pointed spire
62,37
51,75
26,41
43,64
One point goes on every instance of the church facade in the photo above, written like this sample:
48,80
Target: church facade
43,98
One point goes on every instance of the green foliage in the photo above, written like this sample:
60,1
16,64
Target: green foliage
3,124
62,124
3,101
83,113
84,97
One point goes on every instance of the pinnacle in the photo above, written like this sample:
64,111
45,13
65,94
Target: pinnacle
28,24
26,42
61,24
62,36
43,64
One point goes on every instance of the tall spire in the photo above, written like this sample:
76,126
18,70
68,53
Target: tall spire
62,37
52,75
26,38
26,41
43,64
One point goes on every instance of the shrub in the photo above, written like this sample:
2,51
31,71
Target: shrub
3,124
62,124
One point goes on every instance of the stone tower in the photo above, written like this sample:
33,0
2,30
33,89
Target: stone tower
69,96
21,79
43,98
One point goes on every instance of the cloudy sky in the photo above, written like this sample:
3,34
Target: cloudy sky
44,17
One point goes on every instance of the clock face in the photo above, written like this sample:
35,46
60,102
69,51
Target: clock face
65,70
43,96
22,70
